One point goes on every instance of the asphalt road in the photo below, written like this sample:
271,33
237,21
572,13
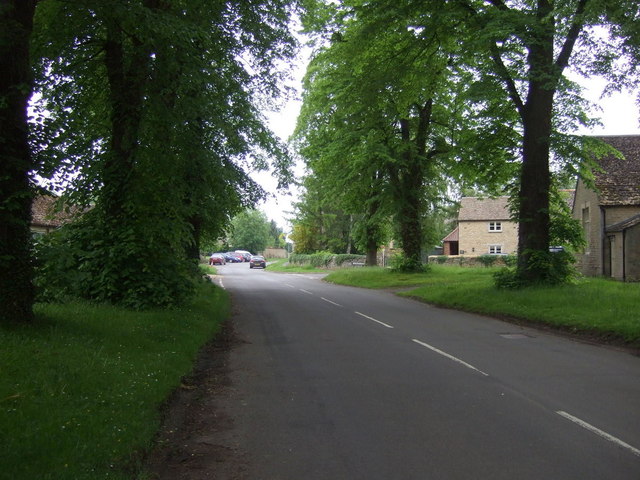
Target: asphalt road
335,382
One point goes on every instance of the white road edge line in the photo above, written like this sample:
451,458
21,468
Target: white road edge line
450,357
598,432
374,320
305,291
332,303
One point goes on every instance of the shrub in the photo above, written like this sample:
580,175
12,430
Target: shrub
487,260
402,264
510,260
299,258
321,259
553,268
442,259
76,262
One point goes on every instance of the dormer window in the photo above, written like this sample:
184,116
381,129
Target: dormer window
495,226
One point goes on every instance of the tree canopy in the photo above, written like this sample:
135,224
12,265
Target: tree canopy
421,95
251,231
148,116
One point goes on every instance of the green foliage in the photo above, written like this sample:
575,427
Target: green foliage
304,238
321,259
250,231
321,223
154,129
487,260
388,120
550,268
83,386
276,236
324,259
81,261
318,259
510,260
442,259
403,264
283,265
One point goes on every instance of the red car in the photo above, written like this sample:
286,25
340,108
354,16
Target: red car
217,259
233,257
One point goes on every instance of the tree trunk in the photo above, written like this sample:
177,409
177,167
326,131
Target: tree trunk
372,252
410,214
126,81
535,179
193,247
16,270
409,187
372,231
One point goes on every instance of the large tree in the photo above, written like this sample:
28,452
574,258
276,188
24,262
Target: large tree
155,123
251,231
532,45
388,114
16,289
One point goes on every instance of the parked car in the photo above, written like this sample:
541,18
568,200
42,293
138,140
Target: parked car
233,257
217,259
257,262
245,254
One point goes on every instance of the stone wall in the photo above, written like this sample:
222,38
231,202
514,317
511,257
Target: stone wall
466,261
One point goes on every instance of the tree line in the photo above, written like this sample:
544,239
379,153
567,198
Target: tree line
405,101
146,116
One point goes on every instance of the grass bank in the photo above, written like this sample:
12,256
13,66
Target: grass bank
593,306
80,388
282,265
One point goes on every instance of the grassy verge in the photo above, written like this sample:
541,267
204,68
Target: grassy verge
207,269
80,389
593,306
281,265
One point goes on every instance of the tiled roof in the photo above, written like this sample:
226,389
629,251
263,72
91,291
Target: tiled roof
569,196
625,224
43,213
476,208
619,183
453,236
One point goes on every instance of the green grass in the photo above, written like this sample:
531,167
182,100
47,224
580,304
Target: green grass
80,389
594,305
207,269
281,265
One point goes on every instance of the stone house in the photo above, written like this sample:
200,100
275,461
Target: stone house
44,217
610,215
484,228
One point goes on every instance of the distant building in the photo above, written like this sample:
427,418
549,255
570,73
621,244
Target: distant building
44,217
610,215
484,228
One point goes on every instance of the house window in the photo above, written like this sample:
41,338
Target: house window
495,226
495,249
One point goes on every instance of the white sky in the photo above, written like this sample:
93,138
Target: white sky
620,116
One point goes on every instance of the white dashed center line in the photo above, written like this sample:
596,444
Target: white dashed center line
450,357
598,432
374,320
306,291
332,303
